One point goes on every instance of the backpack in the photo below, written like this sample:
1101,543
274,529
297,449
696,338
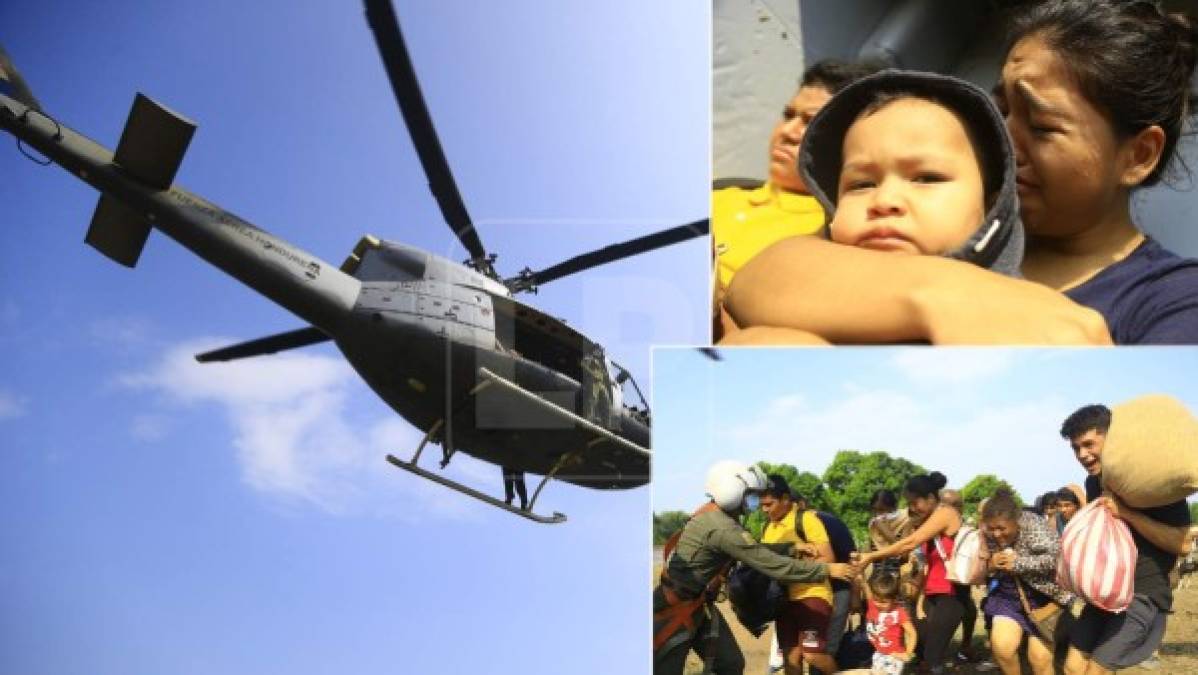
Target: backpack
855,651
756,599
839,535
966,565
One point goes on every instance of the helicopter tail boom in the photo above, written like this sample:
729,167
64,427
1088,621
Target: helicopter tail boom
135,184
151,150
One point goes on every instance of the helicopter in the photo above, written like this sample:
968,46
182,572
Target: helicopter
445,344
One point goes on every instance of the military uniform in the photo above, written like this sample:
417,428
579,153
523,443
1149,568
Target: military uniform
708,542
596,388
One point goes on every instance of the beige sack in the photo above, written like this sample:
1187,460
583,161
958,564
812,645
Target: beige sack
1151,453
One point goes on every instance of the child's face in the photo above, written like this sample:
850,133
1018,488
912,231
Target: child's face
884,605
910,181
1067,509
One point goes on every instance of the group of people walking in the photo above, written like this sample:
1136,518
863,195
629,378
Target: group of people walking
1021,548
911,596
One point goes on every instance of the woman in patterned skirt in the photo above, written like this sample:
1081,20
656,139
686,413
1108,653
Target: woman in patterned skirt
1023,557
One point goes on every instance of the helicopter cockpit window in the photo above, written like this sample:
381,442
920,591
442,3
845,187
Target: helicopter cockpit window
392,264
618,394
626,390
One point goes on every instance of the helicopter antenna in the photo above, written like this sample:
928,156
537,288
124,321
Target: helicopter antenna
529,280
385,25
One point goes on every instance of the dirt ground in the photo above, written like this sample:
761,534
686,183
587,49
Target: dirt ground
1179,651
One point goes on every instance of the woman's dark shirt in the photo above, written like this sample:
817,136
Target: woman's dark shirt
1149,297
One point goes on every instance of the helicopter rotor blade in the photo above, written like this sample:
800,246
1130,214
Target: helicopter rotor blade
266,345
12,84
385,25
529,280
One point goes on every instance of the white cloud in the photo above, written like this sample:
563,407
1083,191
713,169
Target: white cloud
12,405
808,435
278,379
952,365
784,406
293,437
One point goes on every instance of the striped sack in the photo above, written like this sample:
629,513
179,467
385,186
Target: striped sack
1098,558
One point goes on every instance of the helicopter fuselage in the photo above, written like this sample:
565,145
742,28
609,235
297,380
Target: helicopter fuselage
417,327
422,328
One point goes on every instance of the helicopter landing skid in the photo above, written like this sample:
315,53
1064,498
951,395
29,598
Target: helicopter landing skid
471,492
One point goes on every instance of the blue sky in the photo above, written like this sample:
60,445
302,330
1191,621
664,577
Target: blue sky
961,411
160,516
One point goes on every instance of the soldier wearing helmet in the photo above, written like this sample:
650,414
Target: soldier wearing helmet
684,615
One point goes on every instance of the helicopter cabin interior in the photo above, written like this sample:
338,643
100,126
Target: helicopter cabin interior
538,337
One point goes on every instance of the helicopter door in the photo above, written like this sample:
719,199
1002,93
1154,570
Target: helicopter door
598,403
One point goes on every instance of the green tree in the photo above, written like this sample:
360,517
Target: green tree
852,479
666,523
755,523
803,483
981,487
811,487
1194,513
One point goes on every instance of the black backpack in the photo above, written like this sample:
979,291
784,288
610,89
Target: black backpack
756,599
855,650
839,535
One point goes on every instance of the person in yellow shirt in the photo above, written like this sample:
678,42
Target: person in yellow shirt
802,626
746,220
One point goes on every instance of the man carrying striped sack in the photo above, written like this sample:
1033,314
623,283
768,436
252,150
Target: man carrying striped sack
1101,641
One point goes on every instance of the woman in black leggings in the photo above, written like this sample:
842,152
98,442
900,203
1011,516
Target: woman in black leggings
969,608
942,607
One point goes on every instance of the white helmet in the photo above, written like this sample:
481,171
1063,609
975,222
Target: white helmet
728,480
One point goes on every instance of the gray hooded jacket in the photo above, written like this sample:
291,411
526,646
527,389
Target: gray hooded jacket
998,242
